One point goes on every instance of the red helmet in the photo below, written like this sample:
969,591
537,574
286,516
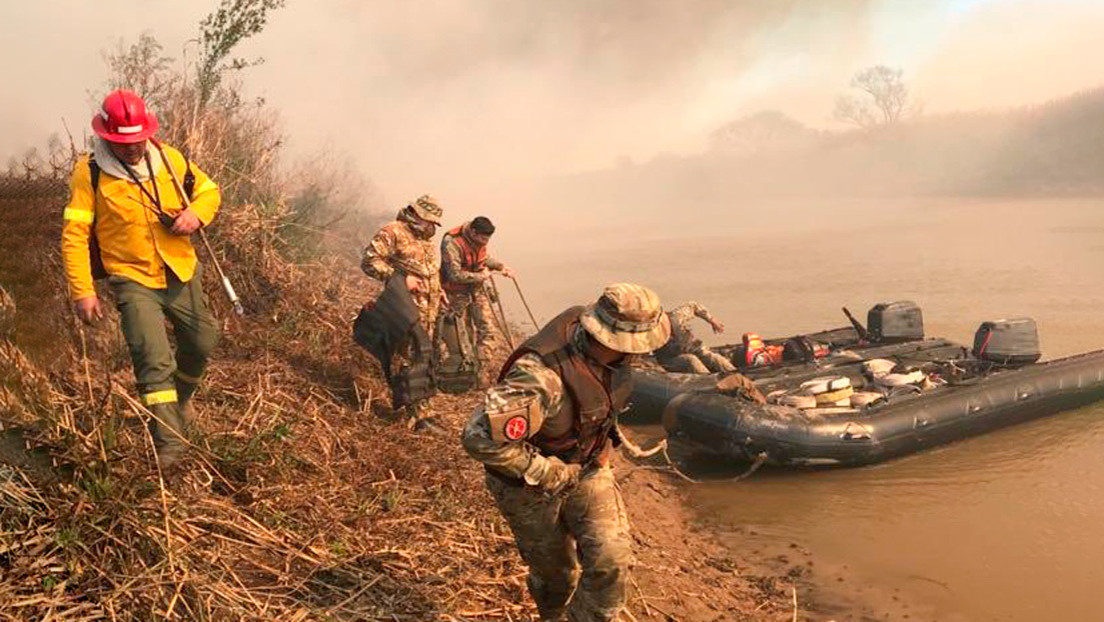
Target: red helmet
123,118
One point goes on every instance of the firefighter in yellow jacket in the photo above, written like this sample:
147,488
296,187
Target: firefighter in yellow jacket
127,222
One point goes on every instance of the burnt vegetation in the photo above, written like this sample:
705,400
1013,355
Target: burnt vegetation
302,499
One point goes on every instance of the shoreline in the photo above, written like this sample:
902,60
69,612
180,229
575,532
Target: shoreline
712,571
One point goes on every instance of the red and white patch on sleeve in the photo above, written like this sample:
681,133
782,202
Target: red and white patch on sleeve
516,428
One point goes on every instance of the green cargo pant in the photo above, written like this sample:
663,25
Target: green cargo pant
477,303
587,524
166,382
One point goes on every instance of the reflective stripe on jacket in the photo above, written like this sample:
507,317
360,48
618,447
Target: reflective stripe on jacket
133,243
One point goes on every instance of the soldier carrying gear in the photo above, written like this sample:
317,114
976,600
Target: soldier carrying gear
544,434
125,221
685,353
405,246
465,269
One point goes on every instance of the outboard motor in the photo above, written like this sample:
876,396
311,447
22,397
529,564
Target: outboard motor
894,322
1008,342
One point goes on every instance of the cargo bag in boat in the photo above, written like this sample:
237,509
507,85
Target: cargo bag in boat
1008,342
895,321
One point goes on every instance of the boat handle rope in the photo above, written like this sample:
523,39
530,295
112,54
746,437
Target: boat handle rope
635,451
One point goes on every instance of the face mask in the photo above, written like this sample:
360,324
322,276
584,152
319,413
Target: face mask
424,230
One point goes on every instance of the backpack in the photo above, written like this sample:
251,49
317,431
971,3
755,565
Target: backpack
95,258
458,367
388,325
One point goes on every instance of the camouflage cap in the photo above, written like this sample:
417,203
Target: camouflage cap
628,318
427,208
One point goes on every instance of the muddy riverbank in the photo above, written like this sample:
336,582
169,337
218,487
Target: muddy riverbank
1004,526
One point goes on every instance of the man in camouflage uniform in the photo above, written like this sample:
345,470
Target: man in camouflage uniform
466,268
685,353
544,435
405,245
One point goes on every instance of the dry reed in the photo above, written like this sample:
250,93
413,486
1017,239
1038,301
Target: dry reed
302,498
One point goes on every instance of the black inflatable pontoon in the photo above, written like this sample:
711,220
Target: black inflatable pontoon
695,412
740,429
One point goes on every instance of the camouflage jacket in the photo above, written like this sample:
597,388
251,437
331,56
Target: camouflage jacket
452,263
529,385
395,247
681,316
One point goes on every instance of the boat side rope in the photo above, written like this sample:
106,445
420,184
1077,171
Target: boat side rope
637,452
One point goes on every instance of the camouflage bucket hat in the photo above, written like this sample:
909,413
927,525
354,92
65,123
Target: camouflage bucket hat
628,318
427,208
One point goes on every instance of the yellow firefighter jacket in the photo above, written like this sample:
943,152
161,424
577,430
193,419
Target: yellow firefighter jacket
133,243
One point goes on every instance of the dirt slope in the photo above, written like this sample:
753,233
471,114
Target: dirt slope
305,500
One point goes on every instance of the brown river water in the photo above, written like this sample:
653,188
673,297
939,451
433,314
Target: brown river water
1005,526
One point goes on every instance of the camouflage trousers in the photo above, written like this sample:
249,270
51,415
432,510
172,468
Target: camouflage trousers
701,361
428,307
477,304
553,534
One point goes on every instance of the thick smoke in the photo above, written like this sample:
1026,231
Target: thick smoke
445,93
471,99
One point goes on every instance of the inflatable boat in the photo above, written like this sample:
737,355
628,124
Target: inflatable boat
866,400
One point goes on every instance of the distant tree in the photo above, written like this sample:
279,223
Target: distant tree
767,130
883,99
31,163
220,32
143,68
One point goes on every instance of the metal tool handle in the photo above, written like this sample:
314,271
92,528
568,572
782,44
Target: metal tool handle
501,312
226,286
525,303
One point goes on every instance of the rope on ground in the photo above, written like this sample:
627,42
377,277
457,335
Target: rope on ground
635,451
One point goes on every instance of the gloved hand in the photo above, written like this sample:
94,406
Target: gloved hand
551,475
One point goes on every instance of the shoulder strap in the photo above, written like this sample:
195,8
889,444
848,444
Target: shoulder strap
94,176
94,170
189,180
94,257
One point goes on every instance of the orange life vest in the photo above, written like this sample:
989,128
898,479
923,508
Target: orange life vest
758,353
471,259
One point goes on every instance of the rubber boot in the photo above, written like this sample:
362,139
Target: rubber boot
421,421
429,425
184,392
169,433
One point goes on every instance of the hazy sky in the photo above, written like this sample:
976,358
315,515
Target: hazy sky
461,96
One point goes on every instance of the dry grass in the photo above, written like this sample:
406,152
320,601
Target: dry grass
303,499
